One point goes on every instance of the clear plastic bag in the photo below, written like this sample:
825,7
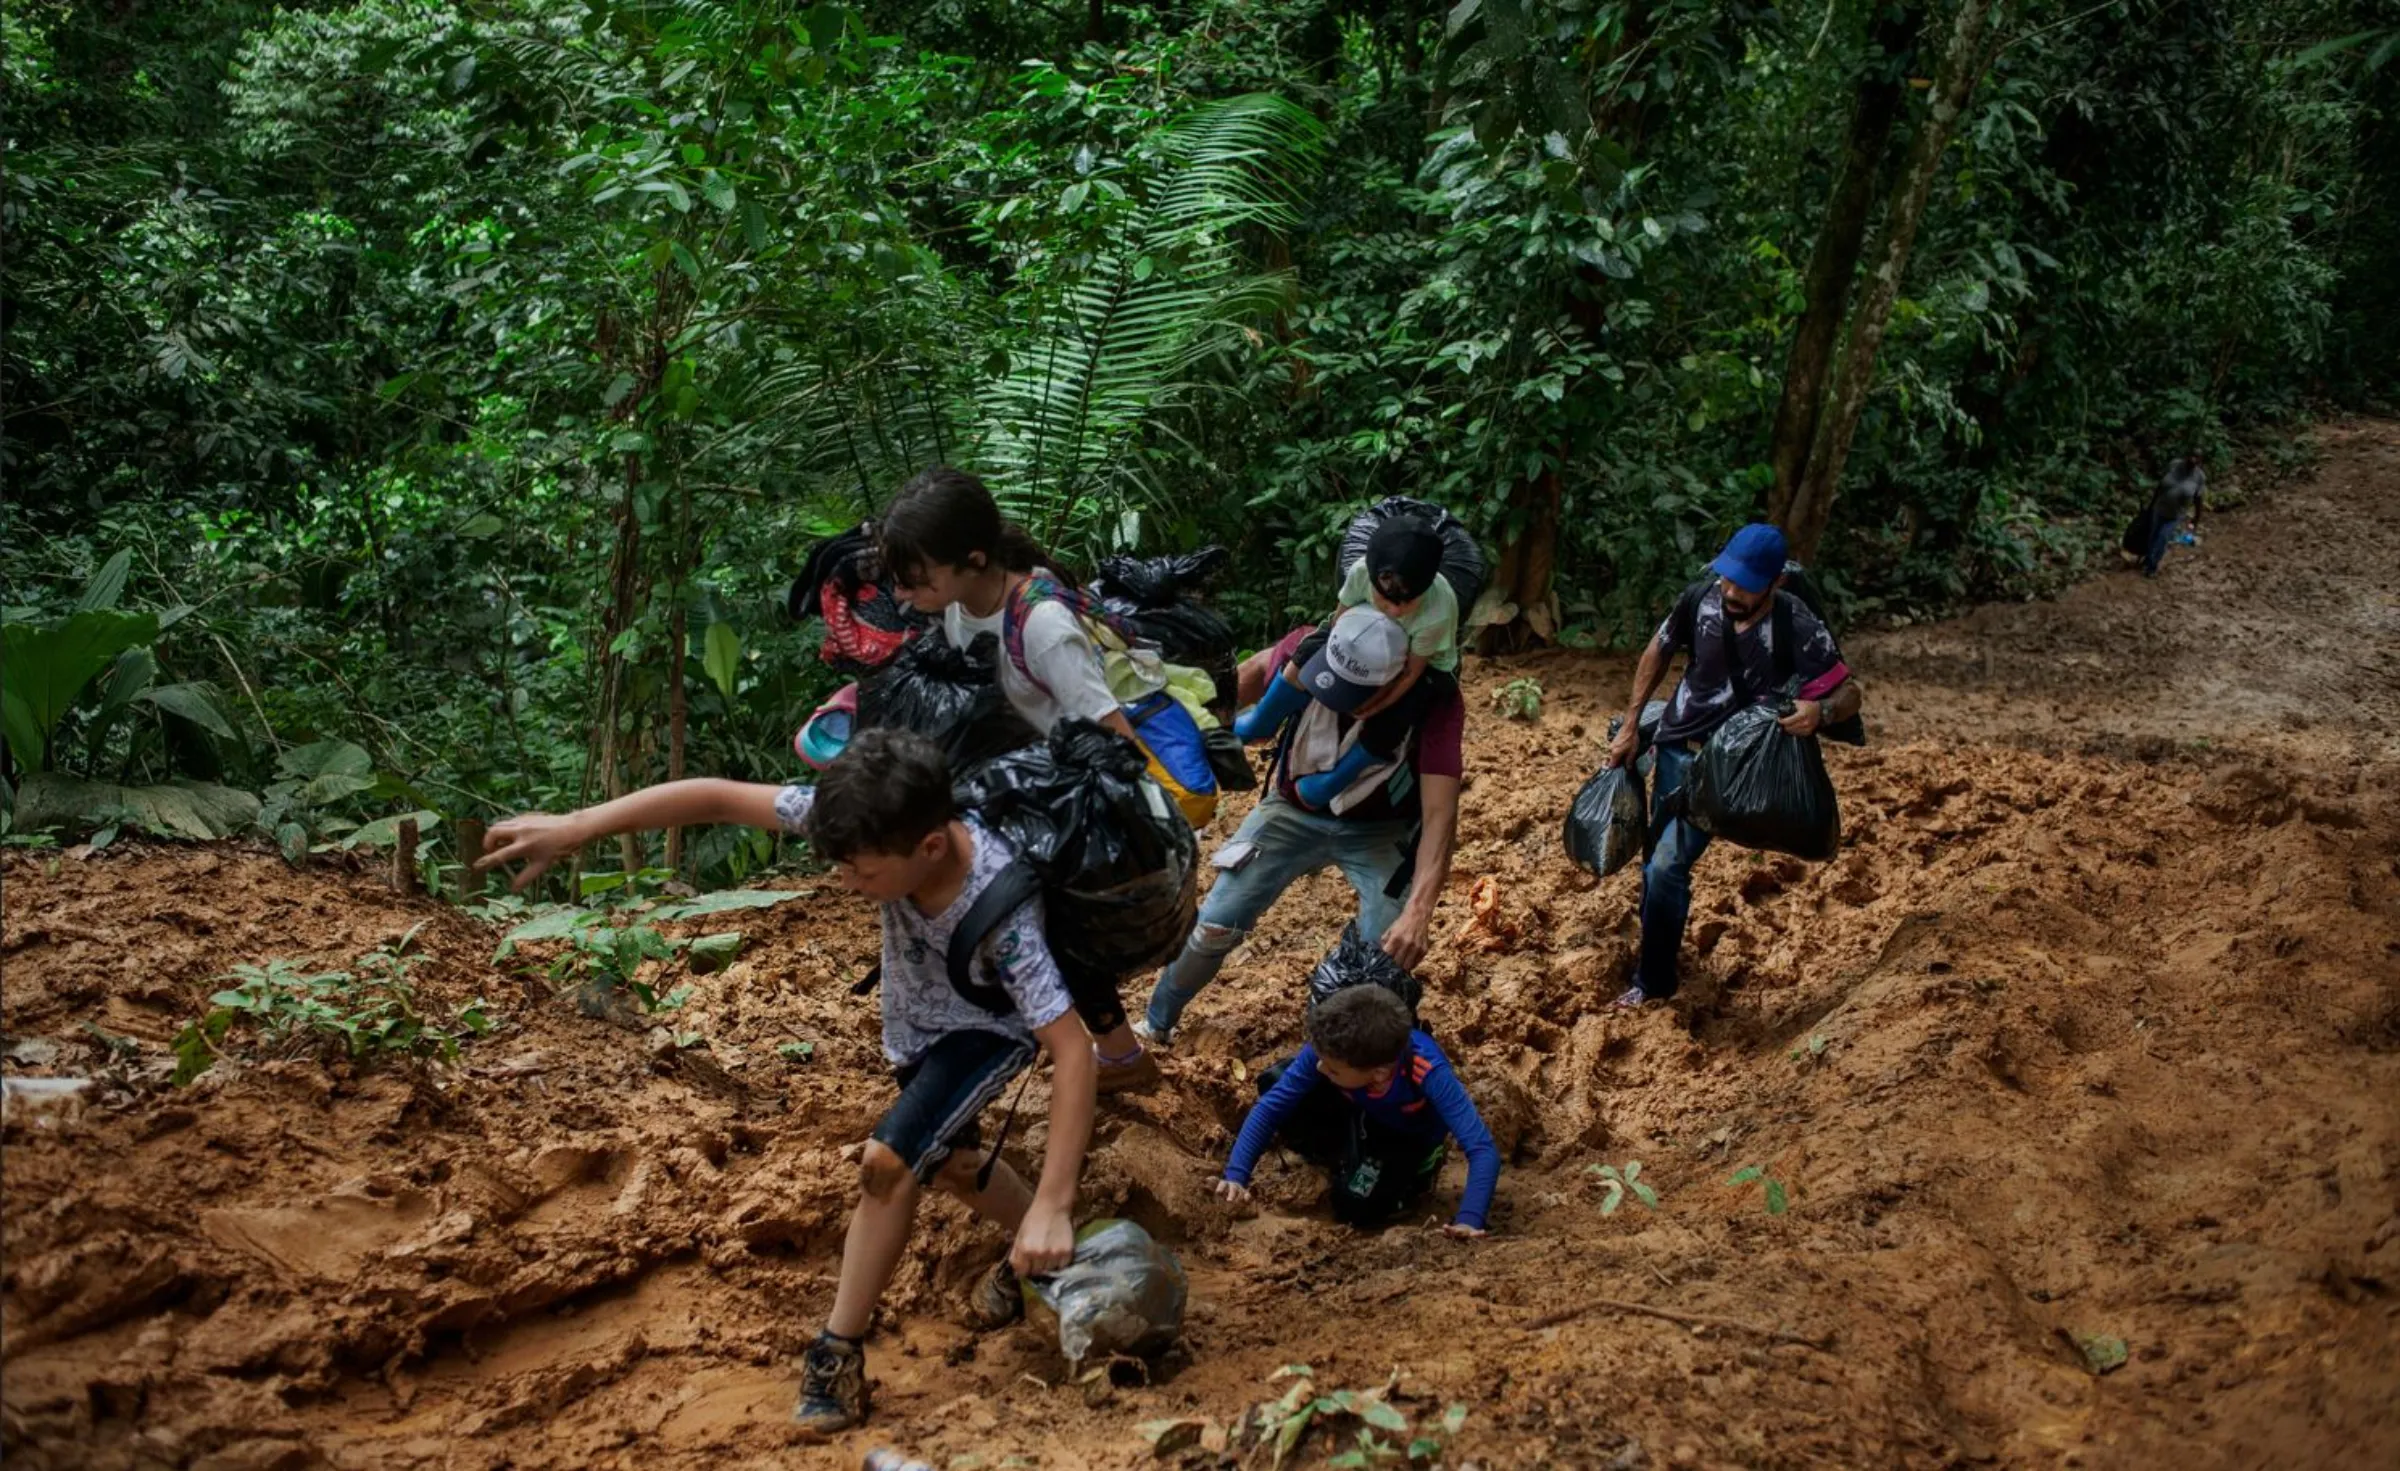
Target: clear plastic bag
1123,1294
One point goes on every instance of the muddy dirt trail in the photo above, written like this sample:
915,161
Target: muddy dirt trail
2079,1069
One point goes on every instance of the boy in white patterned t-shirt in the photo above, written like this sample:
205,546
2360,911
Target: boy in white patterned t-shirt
884,815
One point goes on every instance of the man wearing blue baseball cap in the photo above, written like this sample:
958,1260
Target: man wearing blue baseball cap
1727,636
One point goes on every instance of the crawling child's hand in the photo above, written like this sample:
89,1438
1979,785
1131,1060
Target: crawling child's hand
1238,1194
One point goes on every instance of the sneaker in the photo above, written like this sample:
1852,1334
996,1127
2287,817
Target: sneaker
1137,1071
1631,997
996,1300
833,1387
1150,1040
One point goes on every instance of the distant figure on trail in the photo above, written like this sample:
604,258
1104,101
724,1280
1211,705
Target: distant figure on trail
884,816
1730,662
2182,493
1374,1103
1390,830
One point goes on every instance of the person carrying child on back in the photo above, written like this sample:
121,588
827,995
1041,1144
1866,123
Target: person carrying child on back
883,814
1373,1102
950,553
1401,576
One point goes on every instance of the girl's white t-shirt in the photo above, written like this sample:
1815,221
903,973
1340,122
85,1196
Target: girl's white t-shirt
1057,650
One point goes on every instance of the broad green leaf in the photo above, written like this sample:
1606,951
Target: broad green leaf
713,952
1454,1419
47,665
1746,1174
1633,1170
557,924
481,525
723,657
325,758
754,224
127,678
720,902
107,584
24,736
194,704
383,832
1382,1416
197,810
1646,1195
1776,1200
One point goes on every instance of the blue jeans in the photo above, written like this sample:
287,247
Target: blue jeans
1667,881
1287,845
2162,536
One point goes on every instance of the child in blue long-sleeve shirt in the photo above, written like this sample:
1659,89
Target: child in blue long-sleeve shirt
1373,1102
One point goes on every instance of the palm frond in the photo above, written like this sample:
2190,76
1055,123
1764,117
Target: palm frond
1059,429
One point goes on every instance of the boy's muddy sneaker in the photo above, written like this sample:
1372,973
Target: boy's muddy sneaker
996,1300
833,1387
1119,1074
1631,997
1148,1038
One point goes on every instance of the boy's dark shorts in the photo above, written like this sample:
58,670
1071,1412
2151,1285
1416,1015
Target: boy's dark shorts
942,1094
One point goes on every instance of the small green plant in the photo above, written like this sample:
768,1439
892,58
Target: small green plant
1777,1200
607,958
368,1011
1617,1182
796,1053
606,949
1812,1050
1519,699
1381,1433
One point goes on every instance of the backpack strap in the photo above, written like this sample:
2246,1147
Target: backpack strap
1683,624
1010,890
1081,602
1780,632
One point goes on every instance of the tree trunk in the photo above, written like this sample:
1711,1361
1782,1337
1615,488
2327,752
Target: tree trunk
1527,572
1832,266
676,644
1962,63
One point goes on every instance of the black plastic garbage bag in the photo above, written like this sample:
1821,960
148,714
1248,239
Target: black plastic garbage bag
1357,961
1605,827
1122,1294
1160,582
1757,787
1156,595
951,696
1119,865
1462,559
1228,761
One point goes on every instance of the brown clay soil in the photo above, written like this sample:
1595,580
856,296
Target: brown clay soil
2091,1033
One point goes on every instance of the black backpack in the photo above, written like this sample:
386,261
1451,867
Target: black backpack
1798,588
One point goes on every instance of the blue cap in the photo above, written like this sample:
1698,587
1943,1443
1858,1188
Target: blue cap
1753,559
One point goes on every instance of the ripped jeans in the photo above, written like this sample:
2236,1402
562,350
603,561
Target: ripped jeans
1287,845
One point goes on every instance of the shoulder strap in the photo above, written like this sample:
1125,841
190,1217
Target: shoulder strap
1081,602
1780,632
1684,623
1010,889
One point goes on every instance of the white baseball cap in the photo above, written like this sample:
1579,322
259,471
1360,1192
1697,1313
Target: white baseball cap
1366,651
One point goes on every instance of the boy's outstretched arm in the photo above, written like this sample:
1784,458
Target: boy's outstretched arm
539,839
